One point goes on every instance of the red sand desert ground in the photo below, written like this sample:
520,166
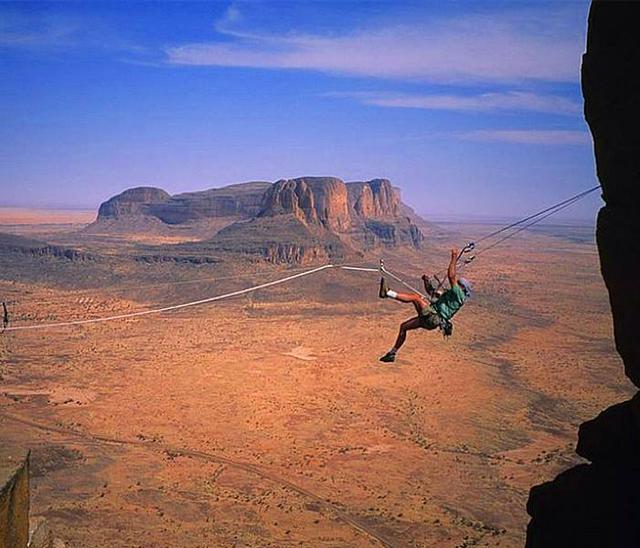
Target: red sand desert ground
268,421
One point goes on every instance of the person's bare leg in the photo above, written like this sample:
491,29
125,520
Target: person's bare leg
418,302
413,323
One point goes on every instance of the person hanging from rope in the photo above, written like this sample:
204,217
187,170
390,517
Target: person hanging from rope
431,315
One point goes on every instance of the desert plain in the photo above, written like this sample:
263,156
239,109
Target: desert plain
267,419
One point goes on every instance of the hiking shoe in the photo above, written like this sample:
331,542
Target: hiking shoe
383,288
389,357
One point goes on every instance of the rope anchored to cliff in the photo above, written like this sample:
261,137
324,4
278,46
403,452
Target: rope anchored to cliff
465,257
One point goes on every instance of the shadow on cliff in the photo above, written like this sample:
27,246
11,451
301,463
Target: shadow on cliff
597,503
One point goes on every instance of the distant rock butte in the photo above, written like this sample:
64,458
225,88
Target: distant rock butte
290,220
243,200
133,201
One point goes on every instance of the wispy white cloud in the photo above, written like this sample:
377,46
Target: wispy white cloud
498,48
484,102
19,31
50,31
529,137
231,16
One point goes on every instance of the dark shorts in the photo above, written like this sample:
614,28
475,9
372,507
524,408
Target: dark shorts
429,320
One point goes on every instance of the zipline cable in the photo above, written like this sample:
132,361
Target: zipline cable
383,271
188,304
108,290
528,225
534,219
569,201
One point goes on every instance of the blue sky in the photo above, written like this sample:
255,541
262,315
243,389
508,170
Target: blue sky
472,108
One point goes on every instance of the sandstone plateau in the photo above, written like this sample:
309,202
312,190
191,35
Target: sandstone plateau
291,220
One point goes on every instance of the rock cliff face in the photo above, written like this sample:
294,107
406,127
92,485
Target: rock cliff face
332,203
313,200
598,504
14,498
292,220
376,198
134,201
11,243
611,87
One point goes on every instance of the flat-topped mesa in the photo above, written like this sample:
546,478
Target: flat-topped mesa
242,200
312,200
291,220
133,201
324,201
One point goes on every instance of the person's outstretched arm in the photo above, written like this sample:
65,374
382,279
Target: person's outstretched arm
451,271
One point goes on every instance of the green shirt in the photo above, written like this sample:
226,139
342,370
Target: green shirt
449,302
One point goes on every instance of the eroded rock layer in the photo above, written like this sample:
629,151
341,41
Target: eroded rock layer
291,220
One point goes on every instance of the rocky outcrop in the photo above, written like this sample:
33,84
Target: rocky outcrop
14,499
280,253
134,201
279,239
373,199
313,200
595,504
395,233
11,243
368,211
611,87
598,504
291,220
